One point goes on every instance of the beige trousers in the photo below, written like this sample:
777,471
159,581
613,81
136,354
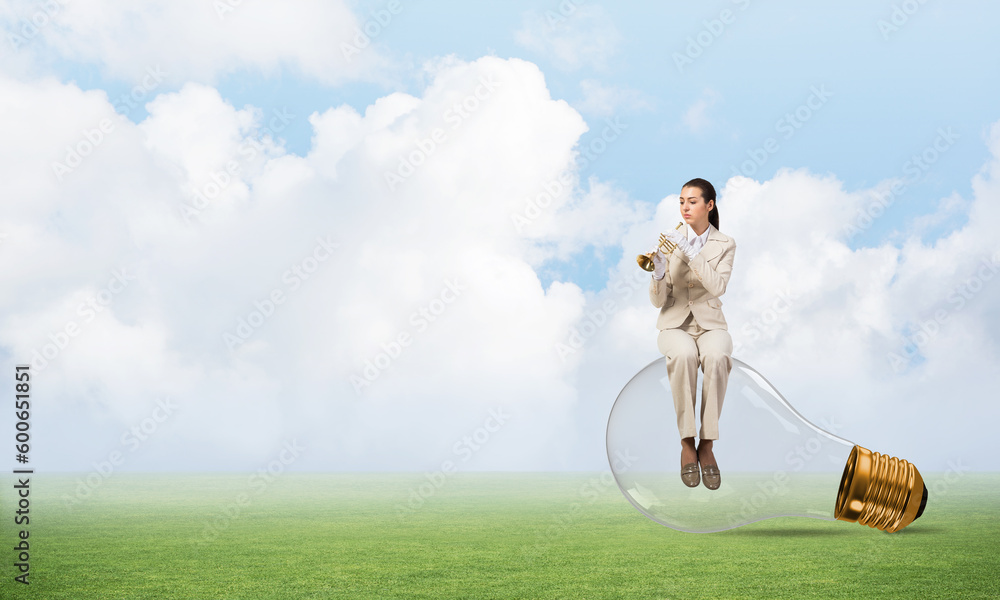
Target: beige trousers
684,348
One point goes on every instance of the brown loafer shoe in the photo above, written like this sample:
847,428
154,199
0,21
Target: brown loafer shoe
713,479
690,475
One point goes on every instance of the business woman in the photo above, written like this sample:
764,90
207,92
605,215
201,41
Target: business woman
686,287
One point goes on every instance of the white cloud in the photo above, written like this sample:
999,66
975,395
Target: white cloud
696,118
191,40
438,259
947,208
579,36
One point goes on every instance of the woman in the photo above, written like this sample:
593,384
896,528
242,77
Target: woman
686,287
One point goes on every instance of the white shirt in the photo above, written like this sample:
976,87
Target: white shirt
698,241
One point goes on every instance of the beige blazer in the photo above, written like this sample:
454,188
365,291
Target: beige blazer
694,286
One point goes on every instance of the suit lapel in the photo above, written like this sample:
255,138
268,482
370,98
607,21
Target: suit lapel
713,247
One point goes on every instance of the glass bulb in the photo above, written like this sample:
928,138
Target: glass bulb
774,463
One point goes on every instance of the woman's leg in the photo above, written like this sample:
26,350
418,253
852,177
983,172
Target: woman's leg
705,455
715,347
689,452
681,355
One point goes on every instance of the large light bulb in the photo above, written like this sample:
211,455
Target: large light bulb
773,461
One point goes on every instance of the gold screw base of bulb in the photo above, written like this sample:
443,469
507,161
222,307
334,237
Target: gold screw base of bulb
880,491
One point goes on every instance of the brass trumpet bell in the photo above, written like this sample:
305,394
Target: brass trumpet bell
666,246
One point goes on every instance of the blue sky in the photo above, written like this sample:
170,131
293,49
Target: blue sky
892,87
832,102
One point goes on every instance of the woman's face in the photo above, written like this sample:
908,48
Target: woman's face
693,207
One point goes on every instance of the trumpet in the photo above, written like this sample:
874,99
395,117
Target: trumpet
666,246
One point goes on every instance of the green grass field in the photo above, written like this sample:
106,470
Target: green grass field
491,535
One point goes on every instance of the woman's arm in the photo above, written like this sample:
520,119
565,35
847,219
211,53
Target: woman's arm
659,289
713,280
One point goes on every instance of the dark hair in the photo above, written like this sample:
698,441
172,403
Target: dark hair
708,193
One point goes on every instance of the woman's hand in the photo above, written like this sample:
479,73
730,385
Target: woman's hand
659,264
678,238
